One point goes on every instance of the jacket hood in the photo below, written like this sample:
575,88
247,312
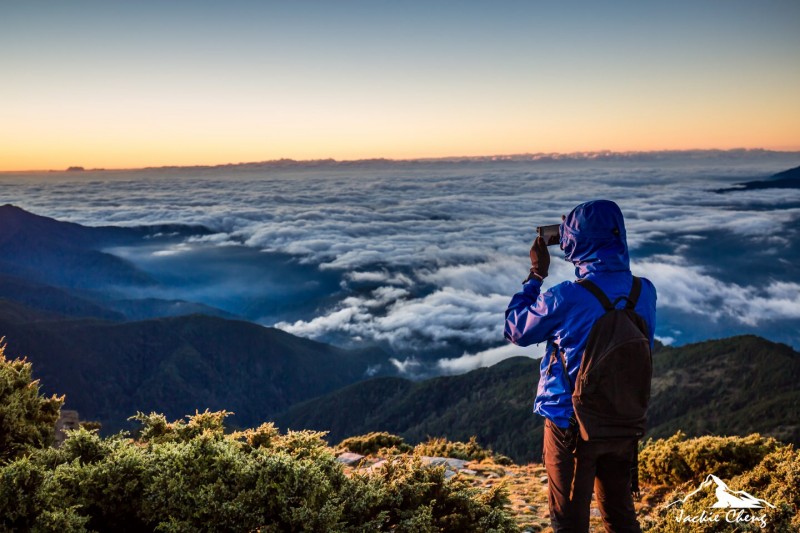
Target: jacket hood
593,238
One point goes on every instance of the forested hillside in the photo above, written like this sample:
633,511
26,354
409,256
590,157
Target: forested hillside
108,370
725,387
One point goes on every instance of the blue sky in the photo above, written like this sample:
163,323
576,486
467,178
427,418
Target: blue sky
146,83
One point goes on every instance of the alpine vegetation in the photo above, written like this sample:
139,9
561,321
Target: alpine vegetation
192,475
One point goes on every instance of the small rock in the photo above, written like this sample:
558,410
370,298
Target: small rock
376,466
469,472
458,464
594,512
543,479
349,458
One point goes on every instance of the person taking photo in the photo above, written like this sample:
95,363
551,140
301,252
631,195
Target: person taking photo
592,448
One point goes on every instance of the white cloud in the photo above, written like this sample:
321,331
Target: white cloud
218,239
692,291
409,366
172,250
447,244
467,362
445,315
384,276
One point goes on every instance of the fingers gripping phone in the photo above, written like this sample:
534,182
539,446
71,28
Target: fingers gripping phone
551,234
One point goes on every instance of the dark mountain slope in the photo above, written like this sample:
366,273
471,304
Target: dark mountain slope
788,179
52,299
493,403
729,386
65,254
732,386
109,370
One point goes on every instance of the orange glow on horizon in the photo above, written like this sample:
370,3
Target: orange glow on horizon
119,136
120,85
107,156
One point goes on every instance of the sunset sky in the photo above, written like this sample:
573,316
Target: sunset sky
129,84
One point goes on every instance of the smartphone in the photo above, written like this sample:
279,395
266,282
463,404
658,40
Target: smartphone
551,234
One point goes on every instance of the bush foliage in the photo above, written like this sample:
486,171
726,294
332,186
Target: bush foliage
27,420
377,441
192,476
761,466
468,451
386,444
677,459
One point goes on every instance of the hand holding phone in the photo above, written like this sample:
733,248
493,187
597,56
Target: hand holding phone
540,260
551,234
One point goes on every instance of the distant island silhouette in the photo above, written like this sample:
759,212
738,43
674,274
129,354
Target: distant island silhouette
544,157
788,179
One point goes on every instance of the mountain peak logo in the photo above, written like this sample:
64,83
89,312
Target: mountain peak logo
732,506
726,498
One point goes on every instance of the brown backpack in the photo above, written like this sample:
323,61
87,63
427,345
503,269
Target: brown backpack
612,388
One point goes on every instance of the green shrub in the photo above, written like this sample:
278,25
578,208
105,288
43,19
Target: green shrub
27,420
155,427
468,451
405,495
210,484
189,475
102,480
441,447
677,459
371,443
777,480
260,437
20,502
775,477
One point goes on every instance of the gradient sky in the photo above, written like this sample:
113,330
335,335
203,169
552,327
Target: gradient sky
125,84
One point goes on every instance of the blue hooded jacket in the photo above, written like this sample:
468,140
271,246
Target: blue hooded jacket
593,239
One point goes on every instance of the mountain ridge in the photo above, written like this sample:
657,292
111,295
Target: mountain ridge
63,267
176,365
495,403
731,153
70,255
787,179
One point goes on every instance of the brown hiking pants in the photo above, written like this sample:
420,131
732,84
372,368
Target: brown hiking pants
602,465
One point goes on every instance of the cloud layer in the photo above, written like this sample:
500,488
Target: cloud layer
428,255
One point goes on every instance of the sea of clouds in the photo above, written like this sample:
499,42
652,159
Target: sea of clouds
422,258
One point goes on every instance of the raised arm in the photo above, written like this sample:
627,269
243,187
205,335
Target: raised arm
531,315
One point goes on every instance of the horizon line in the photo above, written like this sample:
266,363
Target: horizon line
516,157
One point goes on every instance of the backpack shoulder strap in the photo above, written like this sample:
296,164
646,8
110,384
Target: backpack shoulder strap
632,298
636,290
598,293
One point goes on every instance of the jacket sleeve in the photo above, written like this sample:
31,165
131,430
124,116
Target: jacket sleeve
531,316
